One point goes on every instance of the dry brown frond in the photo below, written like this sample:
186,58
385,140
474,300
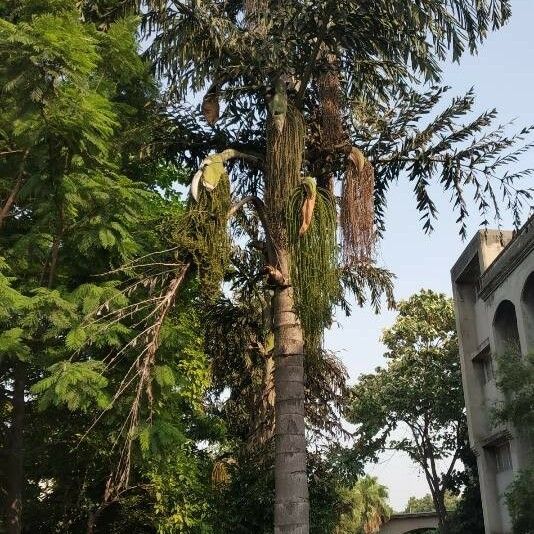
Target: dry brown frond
357,209
140,372
329,93
219,473
210,105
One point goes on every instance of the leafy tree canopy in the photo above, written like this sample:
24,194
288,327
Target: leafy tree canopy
415,404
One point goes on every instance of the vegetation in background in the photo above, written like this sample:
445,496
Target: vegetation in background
515,379
78,182
426,503
366,508
415,404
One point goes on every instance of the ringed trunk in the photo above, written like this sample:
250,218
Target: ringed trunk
291,512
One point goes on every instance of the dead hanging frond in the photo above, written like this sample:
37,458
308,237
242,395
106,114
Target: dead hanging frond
256,16
161,280
329,94
219,474
327,393
357,210
210,104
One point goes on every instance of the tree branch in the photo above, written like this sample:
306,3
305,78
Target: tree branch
6,208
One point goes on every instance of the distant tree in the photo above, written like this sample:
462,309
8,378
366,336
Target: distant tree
420,504
426,503
420,390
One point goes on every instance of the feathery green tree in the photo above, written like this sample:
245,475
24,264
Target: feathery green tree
75,109
367,507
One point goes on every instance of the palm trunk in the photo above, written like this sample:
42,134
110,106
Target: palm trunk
15,474
291,511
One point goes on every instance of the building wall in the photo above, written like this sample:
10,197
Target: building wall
489,281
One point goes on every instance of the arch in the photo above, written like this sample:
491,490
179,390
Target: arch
527,306
419,523
505,329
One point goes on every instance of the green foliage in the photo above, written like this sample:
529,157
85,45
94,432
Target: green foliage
420,504
366,507
78,385
12,344
79,190
88,157
426,150
314,270
519,501
515,378
426,503
201,233
420,388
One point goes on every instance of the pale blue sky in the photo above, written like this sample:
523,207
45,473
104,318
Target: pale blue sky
503,76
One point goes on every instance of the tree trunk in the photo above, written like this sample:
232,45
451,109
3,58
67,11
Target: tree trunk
92,518
291,511
439,504
15,478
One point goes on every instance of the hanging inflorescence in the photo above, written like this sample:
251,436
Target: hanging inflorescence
202,233
314,267
283,162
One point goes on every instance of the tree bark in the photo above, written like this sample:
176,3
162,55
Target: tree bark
438,497
15,473
291,512
441,510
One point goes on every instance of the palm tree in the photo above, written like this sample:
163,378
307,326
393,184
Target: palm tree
366,506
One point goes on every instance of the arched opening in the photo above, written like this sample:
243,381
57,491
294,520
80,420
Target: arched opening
527,304
505,329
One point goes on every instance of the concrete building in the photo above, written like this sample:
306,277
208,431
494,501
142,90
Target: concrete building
493,287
